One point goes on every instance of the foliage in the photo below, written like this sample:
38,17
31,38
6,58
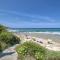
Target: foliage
36,51
53,55
3,46
8,39
33,49
2,28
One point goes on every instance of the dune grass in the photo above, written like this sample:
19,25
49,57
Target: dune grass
53,55
7,39
32,49
36,51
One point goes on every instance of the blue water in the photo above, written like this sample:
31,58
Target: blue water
36,29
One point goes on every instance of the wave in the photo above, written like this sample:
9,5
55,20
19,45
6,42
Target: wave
12,30
58,33
45,32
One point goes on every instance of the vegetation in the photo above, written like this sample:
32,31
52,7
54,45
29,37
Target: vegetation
32,49
29,49
7,39
2,28
53,55
36,51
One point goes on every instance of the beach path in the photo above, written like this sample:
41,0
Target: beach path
9,54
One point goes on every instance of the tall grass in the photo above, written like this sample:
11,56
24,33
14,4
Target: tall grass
53,55
36,51
32,49
7,39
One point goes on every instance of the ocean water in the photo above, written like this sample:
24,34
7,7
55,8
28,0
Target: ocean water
38,30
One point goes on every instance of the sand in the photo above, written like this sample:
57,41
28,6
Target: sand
9,54
39,38
53,37
42,39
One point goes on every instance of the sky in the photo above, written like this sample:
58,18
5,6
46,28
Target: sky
30,13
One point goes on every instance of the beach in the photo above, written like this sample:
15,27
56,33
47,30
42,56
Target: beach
46,33
54,37
49,41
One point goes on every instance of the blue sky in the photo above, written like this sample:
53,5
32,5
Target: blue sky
30,13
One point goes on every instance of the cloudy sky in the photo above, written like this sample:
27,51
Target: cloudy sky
30,13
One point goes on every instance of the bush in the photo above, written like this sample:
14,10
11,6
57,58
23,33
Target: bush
32,49
36,51
3,46
7,39
2,28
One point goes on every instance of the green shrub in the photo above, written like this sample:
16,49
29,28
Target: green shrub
2,28
3,46
7,39
32,49
36,51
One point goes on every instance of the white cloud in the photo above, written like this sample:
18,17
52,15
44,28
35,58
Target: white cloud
32,18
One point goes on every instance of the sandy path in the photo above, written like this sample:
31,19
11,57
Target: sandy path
9,54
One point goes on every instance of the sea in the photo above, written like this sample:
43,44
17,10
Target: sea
38,30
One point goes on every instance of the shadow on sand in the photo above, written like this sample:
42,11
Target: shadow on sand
5,54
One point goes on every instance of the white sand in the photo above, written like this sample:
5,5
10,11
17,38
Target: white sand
12,56
52,45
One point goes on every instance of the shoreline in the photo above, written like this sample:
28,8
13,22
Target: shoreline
54,37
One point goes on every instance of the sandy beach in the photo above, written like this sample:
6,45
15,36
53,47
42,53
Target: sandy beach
54,37
50,41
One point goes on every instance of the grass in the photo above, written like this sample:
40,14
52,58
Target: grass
36,51
7,39
53,55
32,49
